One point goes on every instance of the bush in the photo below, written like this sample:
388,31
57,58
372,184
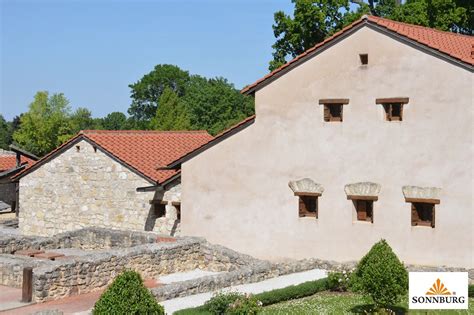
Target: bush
470,290
339,281
382,275
246,305
127,295
233,303
292,292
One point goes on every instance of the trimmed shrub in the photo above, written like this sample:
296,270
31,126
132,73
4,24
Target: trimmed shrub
470,290
382,276
292,292
127,295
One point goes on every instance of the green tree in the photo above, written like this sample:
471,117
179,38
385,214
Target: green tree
315,20
5,134
444,15
115,121
214,104
171,114
146,92
82,119
46,124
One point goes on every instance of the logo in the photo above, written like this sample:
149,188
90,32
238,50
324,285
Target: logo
438,290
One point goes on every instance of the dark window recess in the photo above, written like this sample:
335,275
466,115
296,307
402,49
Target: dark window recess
308,206
423,214
365,210
393,112
78,148
178,212
364,59
160,210
333,112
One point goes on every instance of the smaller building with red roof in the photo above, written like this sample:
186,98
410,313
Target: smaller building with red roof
110,179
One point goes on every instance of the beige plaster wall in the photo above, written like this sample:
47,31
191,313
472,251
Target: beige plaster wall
237,193
84,188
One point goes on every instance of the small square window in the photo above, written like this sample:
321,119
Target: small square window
423,214
364,59
308,206
393,112
160,210
364,209
333,112
178,210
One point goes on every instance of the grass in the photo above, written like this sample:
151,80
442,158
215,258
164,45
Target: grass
344,303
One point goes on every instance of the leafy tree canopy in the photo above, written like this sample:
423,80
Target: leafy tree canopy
115,121
315,20
171,114
46,124
5,133
146,92
191,102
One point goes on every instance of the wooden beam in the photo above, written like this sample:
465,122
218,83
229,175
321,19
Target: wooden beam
336,101
358,197
310,194
27,286
421,200
391,100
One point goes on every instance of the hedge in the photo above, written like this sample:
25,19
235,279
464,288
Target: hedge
470,290
271,297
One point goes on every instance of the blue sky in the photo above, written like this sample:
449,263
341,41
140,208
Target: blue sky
91,50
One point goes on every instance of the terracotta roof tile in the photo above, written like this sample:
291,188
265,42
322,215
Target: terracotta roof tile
143,151
8,162
457,46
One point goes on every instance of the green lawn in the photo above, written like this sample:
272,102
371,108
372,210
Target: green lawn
343,303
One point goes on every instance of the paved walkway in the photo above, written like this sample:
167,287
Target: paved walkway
83,304
258,287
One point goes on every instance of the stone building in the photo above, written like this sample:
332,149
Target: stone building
11,163
110,179
368,135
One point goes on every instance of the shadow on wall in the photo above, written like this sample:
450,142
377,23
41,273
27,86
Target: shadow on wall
162,215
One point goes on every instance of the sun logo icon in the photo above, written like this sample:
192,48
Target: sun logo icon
438,288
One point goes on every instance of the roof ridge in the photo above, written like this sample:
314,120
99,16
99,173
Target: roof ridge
92,131
418,26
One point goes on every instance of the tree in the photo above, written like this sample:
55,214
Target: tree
192,102
46,124
5,135
444,15
82,119
312,22
315,20
214,104
115,121
171,114
146,92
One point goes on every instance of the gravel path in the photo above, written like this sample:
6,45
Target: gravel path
258,287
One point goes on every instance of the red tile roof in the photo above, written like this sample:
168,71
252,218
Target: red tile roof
460,47
8,162
143,151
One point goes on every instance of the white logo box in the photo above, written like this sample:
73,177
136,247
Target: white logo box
449,293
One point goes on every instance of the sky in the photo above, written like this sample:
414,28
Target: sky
92,50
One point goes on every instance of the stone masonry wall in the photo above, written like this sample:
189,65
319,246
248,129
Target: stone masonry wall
82,187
